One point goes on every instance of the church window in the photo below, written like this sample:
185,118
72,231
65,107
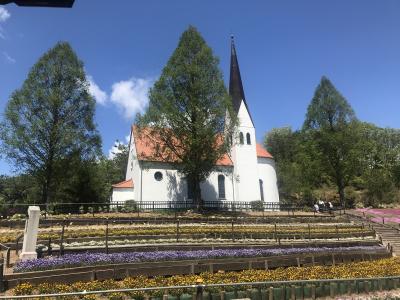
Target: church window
248,139
221,186
158,176
261,189
241,138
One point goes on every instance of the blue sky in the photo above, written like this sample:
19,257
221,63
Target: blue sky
284,47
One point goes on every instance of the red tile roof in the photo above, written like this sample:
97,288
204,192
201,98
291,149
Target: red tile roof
261,152
145,150
124,184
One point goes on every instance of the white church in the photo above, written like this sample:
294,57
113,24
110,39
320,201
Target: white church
245,174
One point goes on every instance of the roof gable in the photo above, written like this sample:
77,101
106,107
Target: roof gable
124,184
146,149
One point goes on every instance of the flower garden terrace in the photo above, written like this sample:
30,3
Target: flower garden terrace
168,247
281,283
229,230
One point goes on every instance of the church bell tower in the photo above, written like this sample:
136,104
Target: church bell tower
244,154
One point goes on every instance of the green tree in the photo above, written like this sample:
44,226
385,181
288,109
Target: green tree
119,162
188,109
333,126
50,118
381,164
297,162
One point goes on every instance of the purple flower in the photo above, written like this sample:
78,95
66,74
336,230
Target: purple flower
91,259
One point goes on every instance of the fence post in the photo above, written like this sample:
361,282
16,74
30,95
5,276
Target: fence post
106,235
17,245
177,230
2,285
233,239
8,257
309,232
276,236
199,289
62,239
49,249
337,232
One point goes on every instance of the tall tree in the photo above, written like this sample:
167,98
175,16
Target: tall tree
188,109
50,118
334,127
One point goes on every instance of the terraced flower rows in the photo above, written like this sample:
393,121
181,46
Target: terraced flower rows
380,268
145,230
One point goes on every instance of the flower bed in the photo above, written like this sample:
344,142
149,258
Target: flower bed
91,259
132,230
187,241
380,268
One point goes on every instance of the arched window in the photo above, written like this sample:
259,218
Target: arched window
248,139
221,186
241,138
261,189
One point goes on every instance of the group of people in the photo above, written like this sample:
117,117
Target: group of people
321,206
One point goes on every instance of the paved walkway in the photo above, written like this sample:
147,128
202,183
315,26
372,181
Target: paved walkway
390,234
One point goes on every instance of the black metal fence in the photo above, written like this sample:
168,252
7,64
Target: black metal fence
8,210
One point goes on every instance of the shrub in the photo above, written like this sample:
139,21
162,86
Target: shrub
130,206
257,205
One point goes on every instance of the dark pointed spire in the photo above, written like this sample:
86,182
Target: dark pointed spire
235,82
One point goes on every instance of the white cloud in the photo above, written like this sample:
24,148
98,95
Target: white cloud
4,14
96,91
8,58
131,96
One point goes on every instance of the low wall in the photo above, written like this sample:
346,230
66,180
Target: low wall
168,268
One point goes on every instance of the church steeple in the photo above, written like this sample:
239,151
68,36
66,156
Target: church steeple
236,90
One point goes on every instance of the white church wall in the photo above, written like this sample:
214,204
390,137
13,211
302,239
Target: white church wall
209,189
267,173
133,168
122,194
173,186
245,160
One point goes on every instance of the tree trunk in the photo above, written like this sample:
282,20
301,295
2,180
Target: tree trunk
47,183
44,192
194,183
342,197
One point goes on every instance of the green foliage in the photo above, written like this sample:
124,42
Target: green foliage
50,119
297,163
188,109
332,124
334,150
130,206
257,205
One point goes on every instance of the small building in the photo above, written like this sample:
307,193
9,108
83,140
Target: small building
122,191
245,174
